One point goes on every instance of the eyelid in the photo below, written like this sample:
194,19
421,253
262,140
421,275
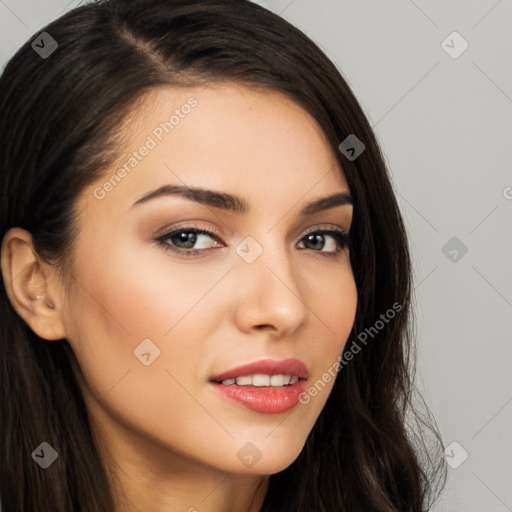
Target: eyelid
165,232
325,227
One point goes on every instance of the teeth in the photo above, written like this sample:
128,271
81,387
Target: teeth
260,379
244,381
277,380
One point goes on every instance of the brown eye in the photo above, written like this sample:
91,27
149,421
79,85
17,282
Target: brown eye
317,240
184,240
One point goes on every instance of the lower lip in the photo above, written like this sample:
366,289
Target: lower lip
265,399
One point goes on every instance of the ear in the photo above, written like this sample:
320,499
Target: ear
32,286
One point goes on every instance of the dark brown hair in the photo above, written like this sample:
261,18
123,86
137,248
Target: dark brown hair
60,117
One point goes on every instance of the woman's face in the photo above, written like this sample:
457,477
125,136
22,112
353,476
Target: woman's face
151,325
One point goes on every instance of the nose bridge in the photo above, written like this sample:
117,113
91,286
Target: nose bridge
270,293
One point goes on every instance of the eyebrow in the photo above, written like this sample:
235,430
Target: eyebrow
234,203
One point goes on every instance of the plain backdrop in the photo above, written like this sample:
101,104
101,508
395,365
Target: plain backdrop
441,105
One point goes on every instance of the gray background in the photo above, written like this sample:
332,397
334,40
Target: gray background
444,124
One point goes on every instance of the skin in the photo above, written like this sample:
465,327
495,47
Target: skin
170,442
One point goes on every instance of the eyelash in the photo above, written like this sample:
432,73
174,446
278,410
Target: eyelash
342,238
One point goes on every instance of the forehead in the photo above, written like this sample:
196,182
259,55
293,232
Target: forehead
224,136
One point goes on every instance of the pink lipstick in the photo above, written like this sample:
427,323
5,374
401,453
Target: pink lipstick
267,386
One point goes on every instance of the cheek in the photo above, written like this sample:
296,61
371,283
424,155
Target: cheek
126,298
141,293
333,302
332,298
339,301
346,311
126,302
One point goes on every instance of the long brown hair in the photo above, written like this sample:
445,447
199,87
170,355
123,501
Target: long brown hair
371,448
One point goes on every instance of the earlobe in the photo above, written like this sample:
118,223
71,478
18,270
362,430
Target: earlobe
29,285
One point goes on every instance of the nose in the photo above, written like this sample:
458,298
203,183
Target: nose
268,295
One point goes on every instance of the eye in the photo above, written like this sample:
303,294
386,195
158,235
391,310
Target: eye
184,239
191,241
335,240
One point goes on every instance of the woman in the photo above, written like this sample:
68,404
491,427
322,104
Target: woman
206,281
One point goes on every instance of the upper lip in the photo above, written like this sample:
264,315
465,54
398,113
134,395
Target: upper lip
289,366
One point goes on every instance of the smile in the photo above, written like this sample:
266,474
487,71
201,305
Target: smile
267,386
260,379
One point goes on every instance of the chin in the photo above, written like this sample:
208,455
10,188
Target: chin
268,461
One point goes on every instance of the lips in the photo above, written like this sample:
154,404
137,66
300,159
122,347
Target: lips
292,367
267,386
